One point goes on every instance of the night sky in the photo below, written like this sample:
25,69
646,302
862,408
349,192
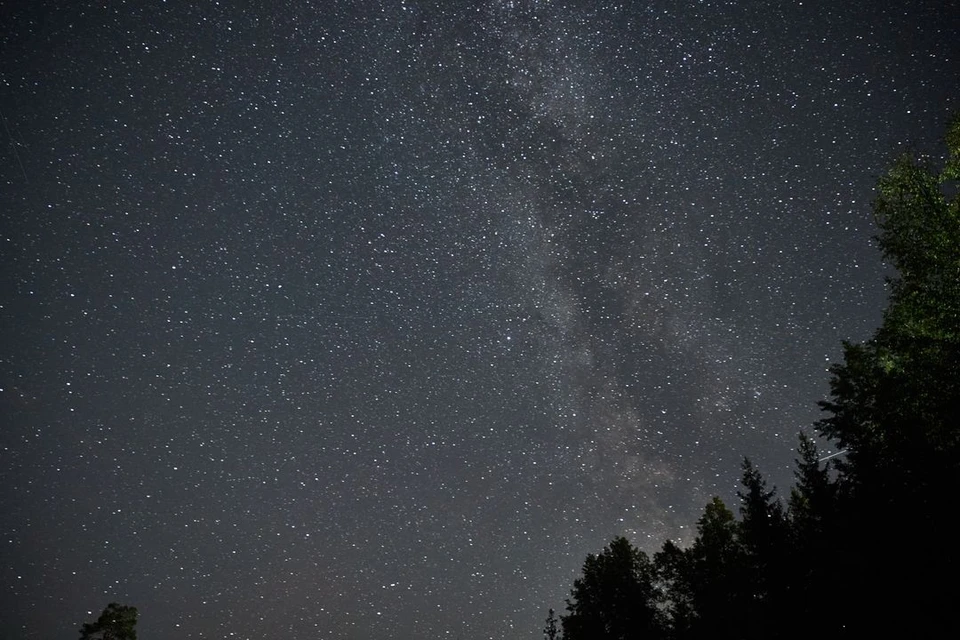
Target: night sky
361,320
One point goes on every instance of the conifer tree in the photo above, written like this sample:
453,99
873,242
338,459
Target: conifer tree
717,573
763,538
675,576
616,597
894,404
551,629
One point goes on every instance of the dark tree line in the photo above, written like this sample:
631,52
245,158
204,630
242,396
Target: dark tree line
117,622
864,545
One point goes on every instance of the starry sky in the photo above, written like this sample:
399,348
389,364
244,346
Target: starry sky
361,319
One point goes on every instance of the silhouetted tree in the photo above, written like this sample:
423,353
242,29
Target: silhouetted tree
894,404
117,622
675,575
615,598
813,497
717,574
865,548
895,398
551,630
814,553
763,539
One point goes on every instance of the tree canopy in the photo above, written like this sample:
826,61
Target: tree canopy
616,597
864,545
117,622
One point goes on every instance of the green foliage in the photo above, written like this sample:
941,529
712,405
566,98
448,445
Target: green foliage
894,404
951,171
865,547
117,622
895,398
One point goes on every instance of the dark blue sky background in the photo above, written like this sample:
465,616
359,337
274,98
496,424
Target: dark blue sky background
371,319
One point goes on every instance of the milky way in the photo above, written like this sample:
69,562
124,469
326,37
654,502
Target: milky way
372,319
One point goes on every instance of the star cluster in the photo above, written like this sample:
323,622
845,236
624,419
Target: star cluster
372,319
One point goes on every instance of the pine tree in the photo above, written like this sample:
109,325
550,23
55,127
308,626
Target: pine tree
551,630
716,574
813,497
816,555
763,537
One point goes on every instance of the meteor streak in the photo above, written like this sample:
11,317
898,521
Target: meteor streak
832,455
